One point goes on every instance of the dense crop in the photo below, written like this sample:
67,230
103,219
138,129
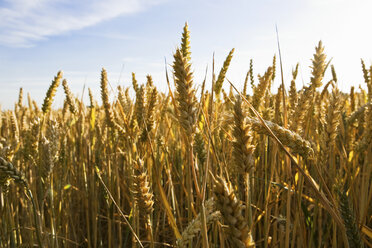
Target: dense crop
191,168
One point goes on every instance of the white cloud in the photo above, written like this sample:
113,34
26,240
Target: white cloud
23,22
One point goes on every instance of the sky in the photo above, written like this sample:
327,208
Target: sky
40,37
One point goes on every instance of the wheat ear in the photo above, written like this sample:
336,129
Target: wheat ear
319,66
106,104
287,137
48,100
262,87
231,210
194,227
347,213
69,97
185,93
144,197
222,74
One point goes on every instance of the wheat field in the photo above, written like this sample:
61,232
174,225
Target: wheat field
196,167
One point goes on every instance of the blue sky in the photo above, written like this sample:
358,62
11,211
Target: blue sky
40,37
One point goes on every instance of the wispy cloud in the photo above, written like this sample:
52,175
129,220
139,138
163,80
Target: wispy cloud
23,22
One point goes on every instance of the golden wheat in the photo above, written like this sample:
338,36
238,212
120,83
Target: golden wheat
152,160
